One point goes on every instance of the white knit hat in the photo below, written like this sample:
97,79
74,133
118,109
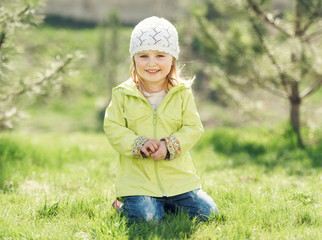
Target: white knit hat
155,33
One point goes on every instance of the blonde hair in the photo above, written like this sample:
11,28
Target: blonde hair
172,77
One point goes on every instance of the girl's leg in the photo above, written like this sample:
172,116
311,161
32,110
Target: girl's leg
197,203
142,208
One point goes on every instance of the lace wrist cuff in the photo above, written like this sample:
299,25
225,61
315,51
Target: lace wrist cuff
136,148
173,145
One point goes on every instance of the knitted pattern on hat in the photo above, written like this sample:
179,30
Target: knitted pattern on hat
155,33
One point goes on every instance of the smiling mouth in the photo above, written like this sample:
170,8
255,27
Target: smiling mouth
152,71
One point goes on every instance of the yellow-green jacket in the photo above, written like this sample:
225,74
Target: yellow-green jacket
130,116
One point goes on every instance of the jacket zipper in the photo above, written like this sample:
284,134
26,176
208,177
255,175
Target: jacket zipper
156,164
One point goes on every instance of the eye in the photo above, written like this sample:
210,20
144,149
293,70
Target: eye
143,56
160,55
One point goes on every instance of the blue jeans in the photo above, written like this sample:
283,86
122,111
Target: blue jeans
197,203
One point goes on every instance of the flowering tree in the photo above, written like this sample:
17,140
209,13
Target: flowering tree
15,16
281,53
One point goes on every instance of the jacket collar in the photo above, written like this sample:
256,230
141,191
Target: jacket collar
129,88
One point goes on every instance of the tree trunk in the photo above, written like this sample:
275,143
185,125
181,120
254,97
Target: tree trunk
295,102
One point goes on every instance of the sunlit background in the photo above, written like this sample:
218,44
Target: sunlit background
258,74
97,33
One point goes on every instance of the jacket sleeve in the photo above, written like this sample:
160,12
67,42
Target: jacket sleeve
121,138
187,136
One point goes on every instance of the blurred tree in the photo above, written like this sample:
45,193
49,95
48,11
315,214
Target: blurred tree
252,44
109,56
15,86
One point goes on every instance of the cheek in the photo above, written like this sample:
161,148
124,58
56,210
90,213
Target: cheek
167,67
168,64
139,66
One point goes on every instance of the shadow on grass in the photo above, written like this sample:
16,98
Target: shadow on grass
271,150
174,226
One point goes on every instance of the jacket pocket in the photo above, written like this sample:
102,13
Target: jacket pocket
173,110
173,114
171,119
133,118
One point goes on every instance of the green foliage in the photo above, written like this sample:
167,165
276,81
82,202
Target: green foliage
84,94
109,57
230,142
17,83
79,103
273,149
61,187
276,50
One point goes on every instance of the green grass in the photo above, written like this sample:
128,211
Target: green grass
60,186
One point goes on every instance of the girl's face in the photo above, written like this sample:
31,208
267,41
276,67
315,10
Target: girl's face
153,66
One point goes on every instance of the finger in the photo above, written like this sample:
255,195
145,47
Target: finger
156,142
155,145
151,148
156,153
147,147
145,151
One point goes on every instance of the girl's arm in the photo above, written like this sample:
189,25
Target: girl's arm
122,139
187,136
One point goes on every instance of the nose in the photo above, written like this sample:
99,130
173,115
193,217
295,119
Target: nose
152,61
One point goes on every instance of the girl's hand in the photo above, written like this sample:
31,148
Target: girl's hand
161,153
150,147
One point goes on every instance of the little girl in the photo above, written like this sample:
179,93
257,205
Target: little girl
152,122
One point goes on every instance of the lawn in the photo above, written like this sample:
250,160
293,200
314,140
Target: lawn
60,186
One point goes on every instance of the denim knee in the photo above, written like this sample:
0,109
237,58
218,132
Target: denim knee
142,208
203,205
